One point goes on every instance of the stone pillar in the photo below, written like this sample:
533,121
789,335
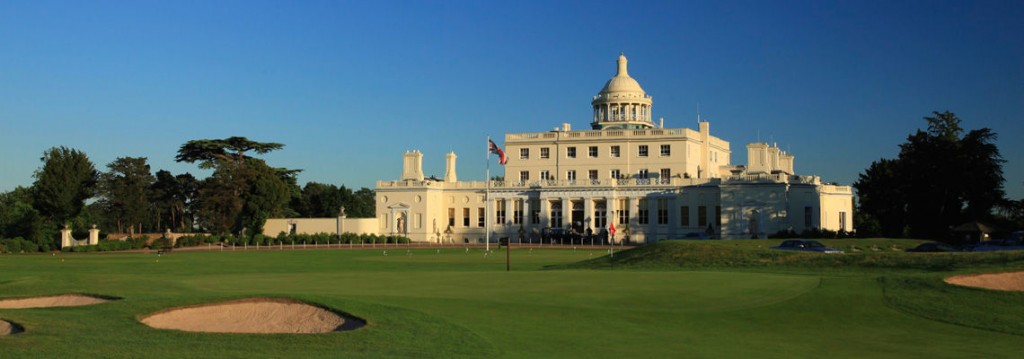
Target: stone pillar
588,214
509,214
94,235
527,215
566,212
545,213
65,238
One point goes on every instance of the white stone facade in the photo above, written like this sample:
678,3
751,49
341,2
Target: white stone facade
653,182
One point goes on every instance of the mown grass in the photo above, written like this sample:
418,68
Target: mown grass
453,303
874,255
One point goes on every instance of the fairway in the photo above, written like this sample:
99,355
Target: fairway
454,303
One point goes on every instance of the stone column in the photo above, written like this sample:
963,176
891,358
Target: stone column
545,212
566,211
527,215
588,213
65,238
94,235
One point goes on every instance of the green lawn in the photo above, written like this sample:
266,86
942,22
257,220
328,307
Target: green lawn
713,299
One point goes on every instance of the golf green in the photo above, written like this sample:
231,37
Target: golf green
457,303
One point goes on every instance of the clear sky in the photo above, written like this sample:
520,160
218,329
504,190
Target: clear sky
349,86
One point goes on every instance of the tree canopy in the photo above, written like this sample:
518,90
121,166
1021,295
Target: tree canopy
62,185
206,152
941,178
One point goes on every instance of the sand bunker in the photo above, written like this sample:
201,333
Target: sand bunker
998,281
254,315
66,300
8,328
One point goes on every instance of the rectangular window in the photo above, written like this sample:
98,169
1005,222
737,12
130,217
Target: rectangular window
624,212
524,176
642,212
517,212
545,175
534,211
600,217
702,216
666,150
807,218
615,151
451,217
592,174
545,152
556,214
662,210
616,174
500,211
842,221
524,153
570,175
642,151
570,152
592,152
480,217
465,217
665,174
419,221
642,173
684,216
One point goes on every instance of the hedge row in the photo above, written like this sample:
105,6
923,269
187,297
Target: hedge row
20,245
109,245
282,239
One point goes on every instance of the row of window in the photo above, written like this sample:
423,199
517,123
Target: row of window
592,152
570,175
643,215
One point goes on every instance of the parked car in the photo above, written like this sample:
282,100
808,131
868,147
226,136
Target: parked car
936,247
1008,244
806,246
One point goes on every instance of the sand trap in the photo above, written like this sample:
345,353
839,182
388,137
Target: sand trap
254,315
66,300
8,328
998,281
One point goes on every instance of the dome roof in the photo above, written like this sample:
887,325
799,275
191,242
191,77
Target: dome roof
622,82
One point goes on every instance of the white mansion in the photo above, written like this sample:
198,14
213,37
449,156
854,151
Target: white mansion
649,182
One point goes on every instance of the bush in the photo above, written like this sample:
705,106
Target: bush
17,245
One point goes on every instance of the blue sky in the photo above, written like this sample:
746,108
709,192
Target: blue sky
349,86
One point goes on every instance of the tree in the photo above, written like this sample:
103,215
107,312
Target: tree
940,179
172,197
881,202
209,152
19,219
243,191
126,189
62,185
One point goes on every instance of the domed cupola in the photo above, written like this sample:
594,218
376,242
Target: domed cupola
622,103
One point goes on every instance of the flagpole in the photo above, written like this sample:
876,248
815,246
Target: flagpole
487,197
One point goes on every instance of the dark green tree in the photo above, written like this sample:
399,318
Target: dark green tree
941,178
125,187
243,191
19,219
62,185
172,198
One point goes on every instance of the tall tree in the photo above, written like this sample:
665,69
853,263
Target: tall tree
126,187
19,219
243,191
941,178
62,185
172,198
